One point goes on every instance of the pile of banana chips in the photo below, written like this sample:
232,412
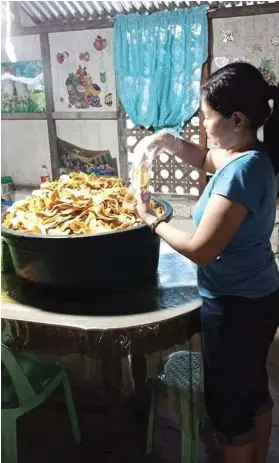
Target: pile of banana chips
76,204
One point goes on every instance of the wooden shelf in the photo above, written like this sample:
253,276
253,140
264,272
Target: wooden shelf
22,116
84,115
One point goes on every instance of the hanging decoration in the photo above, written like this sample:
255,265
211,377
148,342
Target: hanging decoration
158,61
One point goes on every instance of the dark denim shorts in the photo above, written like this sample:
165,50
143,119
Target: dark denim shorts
237,333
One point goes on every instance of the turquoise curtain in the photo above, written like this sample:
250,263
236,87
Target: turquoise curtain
158,61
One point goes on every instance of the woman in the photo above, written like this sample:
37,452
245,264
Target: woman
237,275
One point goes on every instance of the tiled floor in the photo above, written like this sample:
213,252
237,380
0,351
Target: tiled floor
113,432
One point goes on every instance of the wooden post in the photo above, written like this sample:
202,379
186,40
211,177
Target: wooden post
122,142
203,138
15,9
205,74
51,125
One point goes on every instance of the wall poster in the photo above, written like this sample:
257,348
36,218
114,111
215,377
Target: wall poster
82,70
22,87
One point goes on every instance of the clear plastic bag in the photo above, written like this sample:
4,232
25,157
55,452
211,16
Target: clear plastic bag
140,179
144,154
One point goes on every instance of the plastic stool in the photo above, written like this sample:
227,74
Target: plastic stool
182,379
28,381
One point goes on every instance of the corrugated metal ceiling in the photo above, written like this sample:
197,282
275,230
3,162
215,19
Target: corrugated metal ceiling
55,12
60,11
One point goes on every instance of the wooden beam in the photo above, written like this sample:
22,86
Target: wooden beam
22,116
210,44
92,115
122,143
53,145
49,28
249,10
203,137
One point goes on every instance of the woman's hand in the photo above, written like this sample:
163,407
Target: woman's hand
151,146
143,208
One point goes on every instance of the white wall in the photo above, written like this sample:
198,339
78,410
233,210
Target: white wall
24,148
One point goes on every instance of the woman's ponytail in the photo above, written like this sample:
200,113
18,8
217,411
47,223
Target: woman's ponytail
271,129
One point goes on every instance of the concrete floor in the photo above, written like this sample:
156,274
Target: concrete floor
113,430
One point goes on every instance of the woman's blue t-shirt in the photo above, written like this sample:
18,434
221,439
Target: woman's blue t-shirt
246,267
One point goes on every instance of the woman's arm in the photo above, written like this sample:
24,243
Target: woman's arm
220,222
191,153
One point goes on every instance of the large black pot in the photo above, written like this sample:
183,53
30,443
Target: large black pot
107,261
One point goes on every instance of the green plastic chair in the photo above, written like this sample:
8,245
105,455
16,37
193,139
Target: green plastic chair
28,381
182,379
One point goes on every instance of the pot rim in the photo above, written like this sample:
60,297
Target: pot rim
5,232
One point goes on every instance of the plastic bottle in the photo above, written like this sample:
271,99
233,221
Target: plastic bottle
44,174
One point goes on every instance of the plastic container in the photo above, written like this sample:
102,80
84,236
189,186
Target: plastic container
7,189
112,261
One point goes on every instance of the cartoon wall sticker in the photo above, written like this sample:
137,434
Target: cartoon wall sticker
275,41
221,61
60,57
84,56
94,92
240,59
108,99
103,77
254,47
100,43
82,92
227,36
267,69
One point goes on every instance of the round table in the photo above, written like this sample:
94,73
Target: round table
111,329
